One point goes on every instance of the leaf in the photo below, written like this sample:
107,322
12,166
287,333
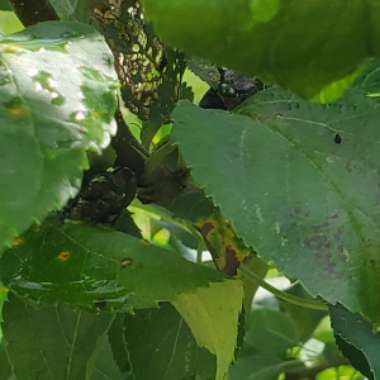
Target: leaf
300,184
9,23
212,315
5,6
5,368
50,342
162,337
278,40
77,10
104,365
271,332
357,341
269,335
260,268
305,319
98,268
49,121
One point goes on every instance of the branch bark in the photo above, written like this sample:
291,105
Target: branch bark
311,373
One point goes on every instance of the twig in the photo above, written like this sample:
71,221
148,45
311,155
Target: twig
311,372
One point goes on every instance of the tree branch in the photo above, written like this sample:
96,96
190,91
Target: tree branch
311,373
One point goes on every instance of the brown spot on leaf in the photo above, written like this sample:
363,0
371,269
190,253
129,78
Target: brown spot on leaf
64,256
206,228
232,261
338,139
126,262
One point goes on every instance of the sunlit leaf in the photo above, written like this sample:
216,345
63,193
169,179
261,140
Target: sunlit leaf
98,268
54,106
212,315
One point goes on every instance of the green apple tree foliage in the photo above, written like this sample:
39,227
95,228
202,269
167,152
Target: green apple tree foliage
190,190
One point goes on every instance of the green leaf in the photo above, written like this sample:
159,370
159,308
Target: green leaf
162,337
300,184
9,23
279,40
50,343
103,362
269,335
270,332
5,367
5,6
305,319
212,315
49,121
357,341
74,10
98,268
260,268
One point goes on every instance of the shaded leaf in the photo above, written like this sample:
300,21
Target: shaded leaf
300,184
162,338
50,343
245,36
212,315
5,6
357,341
99,268
48,121
5,367
306,320
103,363
269,335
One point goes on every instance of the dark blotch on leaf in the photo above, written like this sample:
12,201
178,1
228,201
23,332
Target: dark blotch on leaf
100,305
338,139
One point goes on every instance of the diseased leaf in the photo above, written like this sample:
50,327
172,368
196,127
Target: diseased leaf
54,106
291,43
300,184
162,337
98,268
357,341
212,315
50,342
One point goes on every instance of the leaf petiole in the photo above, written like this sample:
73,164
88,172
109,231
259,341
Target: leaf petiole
302,302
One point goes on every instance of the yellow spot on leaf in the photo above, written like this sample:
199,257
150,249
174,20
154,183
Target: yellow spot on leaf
10,49
64,256
17,109
18,241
